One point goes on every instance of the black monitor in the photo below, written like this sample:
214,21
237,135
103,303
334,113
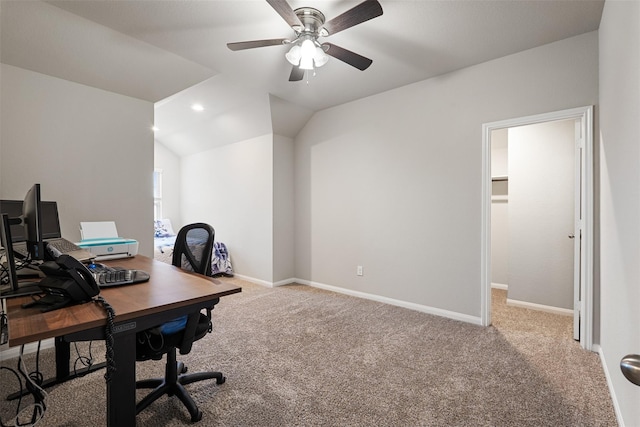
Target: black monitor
49,216
13,209
12,287
32,222
50,221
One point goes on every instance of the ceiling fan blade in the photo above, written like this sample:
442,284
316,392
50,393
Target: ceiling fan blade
286,12
255,43
344,55
297,74
366,10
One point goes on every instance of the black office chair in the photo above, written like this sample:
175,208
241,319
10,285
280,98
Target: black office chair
192,251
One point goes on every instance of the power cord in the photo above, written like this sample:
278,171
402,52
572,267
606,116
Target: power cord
33,385
85,361
36,376
4,274
4,328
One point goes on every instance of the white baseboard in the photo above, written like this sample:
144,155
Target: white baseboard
412,306
540,307
607,375
285,282
500,286
266,283
254,280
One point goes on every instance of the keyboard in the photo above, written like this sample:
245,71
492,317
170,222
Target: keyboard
106,276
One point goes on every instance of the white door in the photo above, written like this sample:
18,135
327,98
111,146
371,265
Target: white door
541,215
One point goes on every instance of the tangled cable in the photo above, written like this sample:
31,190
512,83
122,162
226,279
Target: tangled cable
111,314
32,414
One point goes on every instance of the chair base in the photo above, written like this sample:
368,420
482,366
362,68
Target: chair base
173,385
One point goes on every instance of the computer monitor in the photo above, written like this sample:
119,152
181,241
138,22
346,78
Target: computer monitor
50,220
49,216
32,222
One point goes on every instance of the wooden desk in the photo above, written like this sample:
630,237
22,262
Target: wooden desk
170,293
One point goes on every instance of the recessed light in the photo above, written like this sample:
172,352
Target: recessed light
197,107
155,128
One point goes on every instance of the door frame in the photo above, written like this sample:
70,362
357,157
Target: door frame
585,306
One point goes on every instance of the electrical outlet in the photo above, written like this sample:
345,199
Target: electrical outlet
359,270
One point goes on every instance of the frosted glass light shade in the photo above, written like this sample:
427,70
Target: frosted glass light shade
306,63
293,56
307,49
320,57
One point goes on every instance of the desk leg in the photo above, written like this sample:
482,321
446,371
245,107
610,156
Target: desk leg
63,355
121,391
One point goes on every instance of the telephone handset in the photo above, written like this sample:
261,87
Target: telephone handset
68,281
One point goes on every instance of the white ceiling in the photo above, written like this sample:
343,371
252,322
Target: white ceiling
153,49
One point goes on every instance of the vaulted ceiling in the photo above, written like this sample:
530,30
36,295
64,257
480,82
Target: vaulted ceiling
174,53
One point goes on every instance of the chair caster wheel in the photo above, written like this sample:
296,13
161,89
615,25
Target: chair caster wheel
197,417
184,369
221,380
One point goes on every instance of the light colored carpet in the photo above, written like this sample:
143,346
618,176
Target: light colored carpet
299,356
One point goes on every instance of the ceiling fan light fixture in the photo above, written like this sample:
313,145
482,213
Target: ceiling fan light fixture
306,55
308,24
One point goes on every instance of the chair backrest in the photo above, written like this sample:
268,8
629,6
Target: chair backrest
193,248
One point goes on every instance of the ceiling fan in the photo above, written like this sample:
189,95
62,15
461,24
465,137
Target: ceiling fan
308,25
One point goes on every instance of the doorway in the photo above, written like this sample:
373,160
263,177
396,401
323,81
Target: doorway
581,306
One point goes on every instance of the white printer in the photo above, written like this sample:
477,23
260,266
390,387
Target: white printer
102,240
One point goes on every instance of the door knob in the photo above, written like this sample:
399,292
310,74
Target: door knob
571,236
630,366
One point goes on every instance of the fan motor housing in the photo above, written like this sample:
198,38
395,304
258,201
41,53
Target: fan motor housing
312,19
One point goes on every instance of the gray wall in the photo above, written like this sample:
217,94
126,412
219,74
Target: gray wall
392,182
169,163
283,209
91,151
231,188
620,197
245,191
